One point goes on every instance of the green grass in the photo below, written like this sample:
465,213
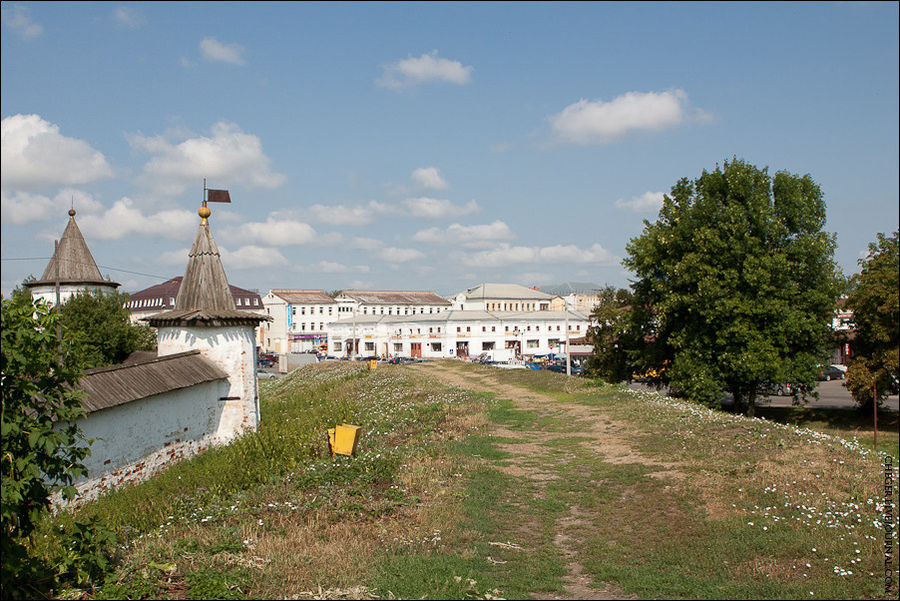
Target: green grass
435,505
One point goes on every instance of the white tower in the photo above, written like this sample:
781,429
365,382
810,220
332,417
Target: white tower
206,319
73,266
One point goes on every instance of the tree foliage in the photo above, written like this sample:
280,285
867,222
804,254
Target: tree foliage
99,327
875,301
736,283
611,337
42,446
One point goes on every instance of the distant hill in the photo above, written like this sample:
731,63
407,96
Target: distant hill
570,287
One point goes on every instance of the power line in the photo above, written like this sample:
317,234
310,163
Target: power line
149,275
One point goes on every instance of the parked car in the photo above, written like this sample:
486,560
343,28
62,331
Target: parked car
831,372
265,362
265,375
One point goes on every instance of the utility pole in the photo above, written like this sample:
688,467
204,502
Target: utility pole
58,323
353,342
568,354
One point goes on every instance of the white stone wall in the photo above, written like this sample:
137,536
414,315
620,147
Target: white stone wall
233,349
48,293
135,440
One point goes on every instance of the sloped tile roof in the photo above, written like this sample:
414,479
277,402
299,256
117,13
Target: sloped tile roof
510,291
396,297
300,296
169,290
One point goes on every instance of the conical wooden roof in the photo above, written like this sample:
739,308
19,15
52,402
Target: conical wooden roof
75,261
205,285
204,299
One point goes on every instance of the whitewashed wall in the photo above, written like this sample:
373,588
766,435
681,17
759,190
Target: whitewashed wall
66,291
137,439
233,349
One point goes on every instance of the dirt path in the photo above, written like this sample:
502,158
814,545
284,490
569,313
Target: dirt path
605,438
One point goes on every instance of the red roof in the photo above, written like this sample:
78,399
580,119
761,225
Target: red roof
162,296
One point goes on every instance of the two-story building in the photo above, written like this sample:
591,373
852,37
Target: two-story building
455,333
390,302
300,319
511,298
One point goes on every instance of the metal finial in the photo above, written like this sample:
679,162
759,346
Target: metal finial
204,213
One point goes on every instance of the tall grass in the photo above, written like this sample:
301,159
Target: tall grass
290,444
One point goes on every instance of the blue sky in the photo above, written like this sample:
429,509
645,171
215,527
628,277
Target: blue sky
426,146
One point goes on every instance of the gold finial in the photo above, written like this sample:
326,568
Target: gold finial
204,213
71,212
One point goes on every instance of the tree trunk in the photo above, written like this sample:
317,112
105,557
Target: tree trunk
751,404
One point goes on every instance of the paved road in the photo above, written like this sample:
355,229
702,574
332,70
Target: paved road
832,395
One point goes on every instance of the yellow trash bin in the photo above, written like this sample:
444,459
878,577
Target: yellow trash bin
342,440
372,364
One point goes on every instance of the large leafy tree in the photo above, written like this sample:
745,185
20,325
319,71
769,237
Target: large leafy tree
42,446
99,326
736,283
875,301
611,336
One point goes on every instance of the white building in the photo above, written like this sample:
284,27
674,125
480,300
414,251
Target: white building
502,298
299,320
390,302
576,301
455,333
73,266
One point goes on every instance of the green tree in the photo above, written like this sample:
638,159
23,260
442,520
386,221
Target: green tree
42,446
611,336
736,283
875,301
99,326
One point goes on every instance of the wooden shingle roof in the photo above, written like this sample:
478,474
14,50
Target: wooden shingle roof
205,299
75,261
107,387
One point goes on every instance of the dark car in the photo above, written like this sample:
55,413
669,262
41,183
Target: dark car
831,373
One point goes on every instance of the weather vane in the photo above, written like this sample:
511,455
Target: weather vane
211,196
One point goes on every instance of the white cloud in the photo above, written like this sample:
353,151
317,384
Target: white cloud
366,243
399,255
413,71
505,254
334,267
34,154
429,178
598,122
433,208
129,17
123,220
350,215
470,236
229,156
648,202
18,19
21,207
536,277
213,50
251,257
274,232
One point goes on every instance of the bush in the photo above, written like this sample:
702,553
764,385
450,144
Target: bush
42,446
